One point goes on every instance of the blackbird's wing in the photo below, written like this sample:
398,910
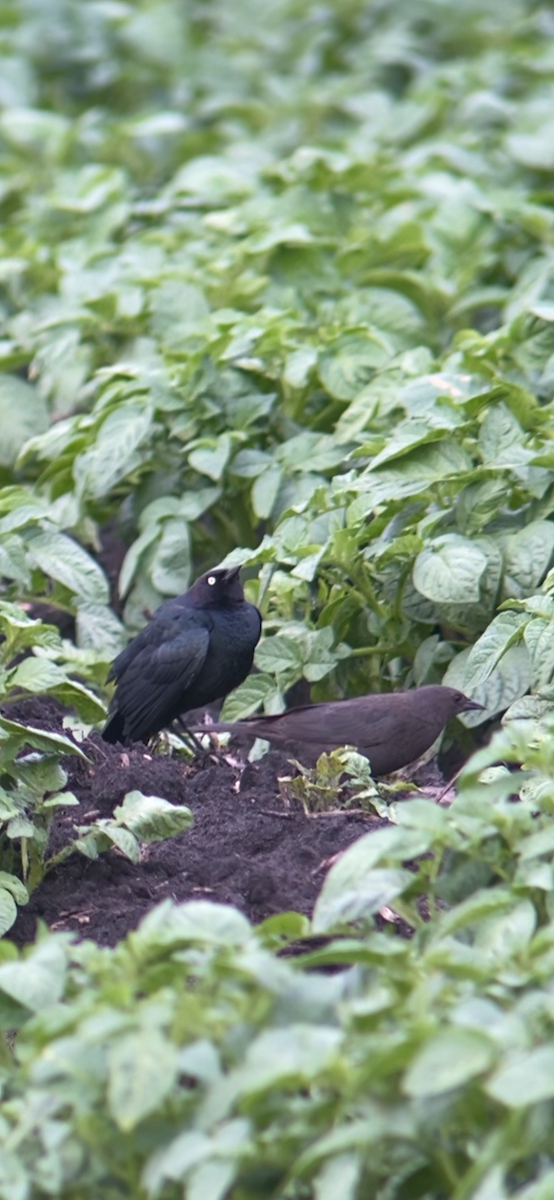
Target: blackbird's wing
153,680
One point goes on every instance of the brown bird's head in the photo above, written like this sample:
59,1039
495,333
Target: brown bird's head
220,586
452,702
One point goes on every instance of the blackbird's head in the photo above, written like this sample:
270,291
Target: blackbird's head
220,586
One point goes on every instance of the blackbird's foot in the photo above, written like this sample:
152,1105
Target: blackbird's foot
190,739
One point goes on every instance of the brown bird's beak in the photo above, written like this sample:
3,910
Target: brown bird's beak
473,704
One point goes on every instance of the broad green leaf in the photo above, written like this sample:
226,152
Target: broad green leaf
365,896
99,629
299,1052
142,1069
278,655
37,675
37,980
448,1060
507,681
298,366
416,472
449,571
197,920
339,1177
264,492
505,631
151,818
211,1180
115,452
176,1159
500,436
478,907
526,1079
8,911
51,743
407,436
14,885
64,560
125,841
527,556
136,553
249,697
346,368
171,564
40,675
211,456
23,413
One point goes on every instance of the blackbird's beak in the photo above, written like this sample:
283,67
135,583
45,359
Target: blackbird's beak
231,573
473,704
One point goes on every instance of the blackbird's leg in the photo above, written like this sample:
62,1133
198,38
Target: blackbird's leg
189,738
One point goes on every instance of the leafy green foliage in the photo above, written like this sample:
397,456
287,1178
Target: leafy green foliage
194,1058
340,779
32,778
139,819
286,299
280,290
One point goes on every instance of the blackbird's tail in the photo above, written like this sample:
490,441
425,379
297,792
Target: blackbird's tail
114,729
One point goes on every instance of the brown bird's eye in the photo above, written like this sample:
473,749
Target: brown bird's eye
211,580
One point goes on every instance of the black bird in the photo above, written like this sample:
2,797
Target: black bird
391,730
193,650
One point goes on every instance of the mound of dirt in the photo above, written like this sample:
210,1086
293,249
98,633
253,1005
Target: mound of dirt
247,847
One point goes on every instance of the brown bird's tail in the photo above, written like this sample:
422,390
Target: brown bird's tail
237,728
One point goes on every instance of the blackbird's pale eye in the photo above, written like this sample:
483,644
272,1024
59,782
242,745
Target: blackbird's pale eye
211,580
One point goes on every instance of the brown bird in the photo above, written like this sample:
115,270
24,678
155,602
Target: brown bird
390,730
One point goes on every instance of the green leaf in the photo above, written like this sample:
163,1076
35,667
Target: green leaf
264,492
14,885
505,631
524,1079
51,743
64,560
142,1069
279,1055
506,682
449,570
152,818
278,656
337,904
339,1177
23,414
448,1060
211,1181
212,456
197,920
527,556
8,911
38,980
171,564
346,369
115,452
249,697
99,629
125,841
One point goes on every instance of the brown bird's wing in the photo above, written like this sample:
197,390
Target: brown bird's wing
362,721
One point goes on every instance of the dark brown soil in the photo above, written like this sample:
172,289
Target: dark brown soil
246,847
